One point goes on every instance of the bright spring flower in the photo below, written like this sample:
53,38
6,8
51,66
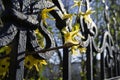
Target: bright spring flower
4,62
4,66
40,38
5,49
31,62
76,3
86,15
44,14
70,38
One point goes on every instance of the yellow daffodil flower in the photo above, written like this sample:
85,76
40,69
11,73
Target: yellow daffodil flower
43,62
77,27
31,62
37,31
44,14
36,67
73,49
86,15
4,63
5,49
69,37
76,3
66,16
40,38
4,66
82,50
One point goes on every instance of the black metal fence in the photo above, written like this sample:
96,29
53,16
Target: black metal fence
19,34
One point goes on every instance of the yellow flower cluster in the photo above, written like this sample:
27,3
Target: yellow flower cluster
66,16
4,66
44,14
86,15
75,48
31,62
5,49
4,62
40,38
76,3
70,38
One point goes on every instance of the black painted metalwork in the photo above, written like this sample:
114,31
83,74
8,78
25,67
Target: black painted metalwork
20,31
108,49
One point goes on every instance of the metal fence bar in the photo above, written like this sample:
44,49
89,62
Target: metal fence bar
66,64
89,61
109,63
17,57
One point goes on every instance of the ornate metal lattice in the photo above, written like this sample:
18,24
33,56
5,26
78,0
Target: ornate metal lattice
20,19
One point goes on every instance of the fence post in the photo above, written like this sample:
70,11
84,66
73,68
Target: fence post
89,61
17,56
102,66
66,64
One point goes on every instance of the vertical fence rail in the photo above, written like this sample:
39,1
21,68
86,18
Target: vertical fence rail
102,66
17,60
89,62
66,65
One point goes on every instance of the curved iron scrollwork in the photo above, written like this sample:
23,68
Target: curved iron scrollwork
14,28
108,49
20,31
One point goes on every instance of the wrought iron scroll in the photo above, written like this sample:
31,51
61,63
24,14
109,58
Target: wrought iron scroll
109,66
20,35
